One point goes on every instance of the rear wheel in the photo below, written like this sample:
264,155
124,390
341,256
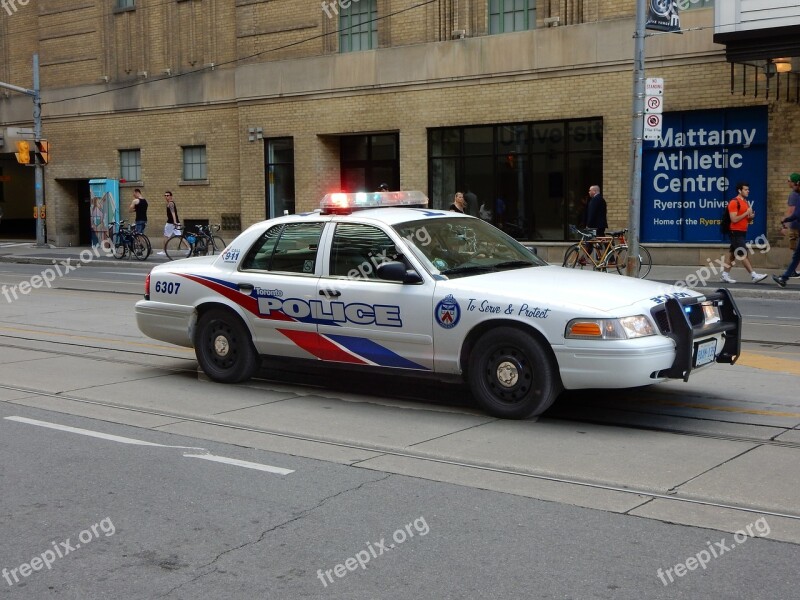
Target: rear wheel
511,375
224,348
177,247
643,265
141,247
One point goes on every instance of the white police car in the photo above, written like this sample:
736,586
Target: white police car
408,289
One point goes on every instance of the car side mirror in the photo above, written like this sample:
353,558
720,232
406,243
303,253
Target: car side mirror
394,270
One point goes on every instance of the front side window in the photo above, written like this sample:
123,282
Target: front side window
194,163
357,250
511,15
130,165
358,26
288,248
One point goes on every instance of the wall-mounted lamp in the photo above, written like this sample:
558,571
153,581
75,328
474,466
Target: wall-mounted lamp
552,21
167,71
777,65
142,74
105,78
255,133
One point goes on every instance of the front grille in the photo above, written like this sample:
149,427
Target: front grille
662,320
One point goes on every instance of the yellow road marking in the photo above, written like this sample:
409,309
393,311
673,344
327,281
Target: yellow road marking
731,409
769,363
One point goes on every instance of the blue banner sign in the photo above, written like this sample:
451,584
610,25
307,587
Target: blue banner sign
690,174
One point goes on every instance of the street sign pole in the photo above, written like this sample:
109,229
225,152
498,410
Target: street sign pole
634,212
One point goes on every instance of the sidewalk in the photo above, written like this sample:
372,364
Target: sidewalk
27,253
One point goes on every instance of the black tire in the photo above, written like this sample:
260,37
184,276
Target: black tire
572,258
645,261
224,348
141,248
120,249
218,246
177,247
511,375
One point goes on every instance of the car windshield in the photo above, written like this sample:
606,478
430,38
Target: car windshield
458,246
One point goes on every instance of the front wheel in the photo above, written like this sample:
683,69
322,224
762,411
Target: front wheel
223,347
217,245
120,248
177,247
574,258
511,375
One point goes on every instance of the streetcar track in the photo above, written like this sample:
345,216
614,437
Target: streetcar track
556,416
421,456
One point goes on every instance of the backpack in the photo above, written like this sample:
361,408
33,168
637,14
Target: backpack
725,222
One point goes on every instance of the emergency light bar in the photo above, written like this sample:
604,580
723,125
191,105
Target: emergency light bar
343,204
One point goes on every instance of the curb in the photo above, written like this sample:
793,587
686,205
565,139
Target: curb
96,262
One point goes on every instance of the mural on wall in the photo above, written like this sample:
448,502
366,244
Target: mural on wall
104,208
690,174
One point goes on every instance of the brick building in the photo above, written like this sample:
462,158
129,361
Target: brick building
247,108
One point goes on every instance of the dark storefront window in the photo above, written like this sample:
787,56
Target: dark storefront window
529,179
280,176
368,161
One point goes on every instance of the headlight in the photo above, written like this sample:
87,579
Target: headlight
710,313
624,328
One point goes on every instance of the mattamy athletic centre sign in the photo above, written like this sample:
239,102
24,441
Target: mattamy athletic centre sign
690,174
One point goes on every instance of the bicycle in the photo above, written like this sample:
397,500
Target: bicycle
645,259
127,242
582,254
201,243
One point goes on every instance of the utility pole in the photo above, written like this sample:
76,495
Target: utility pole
37,135
634,211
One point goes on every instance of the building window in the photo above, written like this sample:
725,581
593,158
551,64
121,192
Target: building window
130,165
121,4
280,176
511,15
194,163
367,161
358,26
515,175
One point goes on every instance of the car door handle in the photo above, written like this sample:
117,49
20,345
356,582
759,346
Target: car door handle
330,293
245,287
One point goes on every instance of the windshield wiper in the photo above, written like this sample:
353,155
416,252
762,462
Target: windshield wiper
468,269
511,264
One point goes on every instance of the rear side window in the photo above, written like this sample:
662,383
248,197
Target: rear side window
290,248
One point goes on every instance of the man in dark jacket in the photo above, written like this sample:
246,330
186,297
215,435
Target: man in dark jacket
596,213
795,262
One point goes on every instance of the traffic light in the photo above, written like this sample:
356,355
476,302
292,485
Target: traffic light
23,153
43,149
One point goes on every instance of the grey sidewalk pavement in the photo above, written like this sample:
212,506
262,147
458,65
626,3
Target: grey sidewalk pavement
19,251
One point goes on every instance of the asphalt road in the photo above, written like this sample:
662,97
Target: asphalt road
589,501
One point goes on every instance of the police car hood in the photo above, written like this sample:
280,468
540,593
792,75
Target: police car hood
551,285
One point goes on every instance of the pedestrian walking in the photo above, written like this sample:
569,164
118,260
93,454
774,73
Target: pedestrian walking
741,213
597,211
792,202
173,223
791,270
139,207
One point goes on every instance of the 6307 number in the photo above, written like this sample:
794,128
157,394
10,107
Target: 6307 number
163,287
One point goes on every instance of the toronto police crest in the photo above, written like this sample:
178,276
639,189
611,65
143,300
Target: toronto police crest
447,312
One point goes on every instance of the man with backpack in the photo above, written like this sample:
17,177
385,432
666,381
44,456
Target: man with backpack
793,264
741,215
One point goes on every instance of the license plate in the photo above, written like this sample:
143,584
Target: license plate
706,353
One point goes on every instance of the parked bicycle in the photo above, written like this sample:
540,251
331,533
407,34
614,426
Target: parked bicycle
200,243
127,242
604,253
